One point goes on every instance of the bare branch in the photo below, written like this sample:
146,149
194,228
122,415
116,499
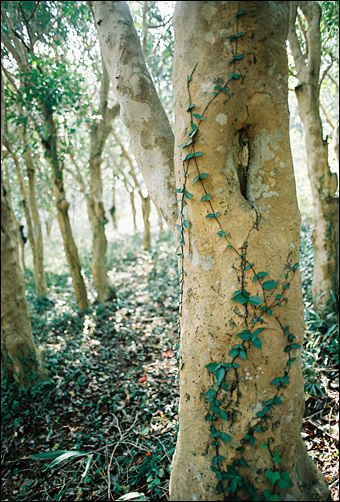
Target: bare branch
303,31
10,78
27,25
294,41
328,119
325,72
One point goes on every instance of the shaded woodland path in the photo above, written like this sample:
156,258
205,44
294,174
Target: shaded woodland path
113,391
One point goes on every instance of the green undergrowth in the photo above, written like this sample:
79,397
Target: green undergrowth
112,391
320,357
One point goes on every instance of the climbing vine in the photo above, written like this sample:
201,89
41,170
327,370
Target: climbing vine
256,308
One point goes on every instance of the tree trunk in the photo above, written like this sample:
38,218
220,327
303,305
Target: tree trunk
21,252
18,351
336,143
133,210
98,221
325,203
32,218
241,313
62,205
146,219
113,209
323,182
160,224
99,133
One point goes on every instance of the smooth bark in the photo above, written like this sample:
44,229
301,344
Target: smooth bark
100,131
152,141
19,354
62,206
34,233
323,182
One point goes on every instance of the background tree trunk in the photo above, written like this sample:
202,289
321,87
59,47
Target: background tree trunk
32,220
18,351
146,207
113,209
62,205
99,133
323,182
151,141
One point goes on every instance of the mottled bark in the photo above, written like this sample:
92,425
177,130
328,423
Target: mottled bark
248,221
145,200
19,354
29,204
62,205
152,141
146,207
336,143
323,181
113,208
99,133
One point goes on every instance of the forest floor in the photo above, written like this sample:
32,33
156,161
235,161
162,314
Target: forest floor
113,391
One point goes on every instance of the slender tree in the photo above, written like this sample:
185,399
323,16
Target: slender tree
39,87
19,354
306,51
237,220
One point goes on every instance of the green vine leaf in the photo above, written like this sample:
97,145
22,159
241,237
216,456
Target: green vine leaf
221,233
257,343
244,335
219,88
218,458
212,215
276,457
193,126
235,58
262,274
214,409
198,116
231,37
190,108
205,197
296,266
268,495
273,476
210,393
255,300
241,296
186,224
223,415
295,346
270,285
189,156
234,76
285,481
213,366
225,437
215,434
202,175
220,373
